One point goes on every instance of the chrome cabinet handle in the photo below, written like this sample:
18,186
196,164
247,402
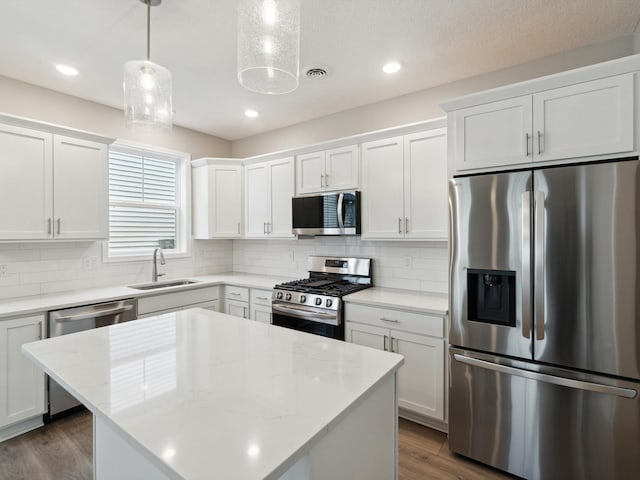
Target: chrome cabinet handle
399,225
539,143
539,267
326,179
406,224
389,320
264,227
49,226
396,348
384,343
526,264
322,180
526,142
244,312
238,228
40,330
262,298
269,227
543,377
58,232
234,294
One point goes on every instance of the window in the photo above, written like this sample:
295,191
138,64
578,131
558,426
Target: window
148,202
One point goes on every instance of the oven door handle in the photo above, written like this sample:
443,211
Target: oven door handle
328,318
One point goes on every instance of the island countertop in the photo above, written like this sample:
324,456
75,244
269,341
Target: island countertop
200,393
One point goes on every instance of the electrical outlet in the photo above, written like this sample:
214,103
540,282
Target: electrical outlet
4,270
89,263
407,262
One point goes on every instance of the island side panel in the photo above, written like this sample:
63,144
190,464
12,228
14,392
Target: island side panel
364,444
115,459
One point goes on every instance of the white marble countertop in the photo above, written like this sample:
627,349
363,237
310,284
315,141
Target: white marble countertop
43,303
433,303
199,392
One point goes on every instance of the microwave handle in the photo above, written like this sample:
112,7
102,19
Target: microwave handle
340,211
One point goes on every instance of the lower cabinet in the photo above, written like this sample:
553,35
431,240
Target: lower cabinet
236,301
261,305
420,338
22,384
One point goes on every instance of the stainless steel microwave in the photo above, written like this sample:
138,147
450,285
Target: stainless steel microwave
336,213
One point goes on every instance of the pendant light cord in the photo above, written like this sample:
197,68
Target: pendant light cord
148,30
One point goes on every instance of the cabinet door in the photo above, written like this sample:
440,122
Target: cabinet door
228,201
236,308
590,118
310,173
280,193
367,335
425,185
494,134
26,196
80,188
382,189
421,378
261,313
257,194
341,168
22,384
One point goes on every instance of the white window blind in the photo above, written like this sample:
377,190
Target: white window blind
143,201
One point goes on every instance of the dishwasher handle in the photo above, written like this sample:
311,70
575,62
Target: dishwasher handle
94,314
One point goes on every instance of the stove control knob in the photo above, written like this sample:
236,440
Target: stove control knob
279,296
303,298
288,297
329,302
318,301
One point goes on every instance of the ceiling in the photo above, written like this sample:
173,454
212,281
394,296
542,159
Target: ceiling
437,41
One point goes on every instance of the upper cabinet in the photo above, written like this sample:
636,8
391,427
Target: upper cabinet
404,187
52,186
269,188
217,198
328,170
586,119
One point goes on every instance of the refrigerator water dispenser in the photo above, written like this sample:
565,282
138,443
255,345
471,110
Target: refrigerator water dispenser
491,296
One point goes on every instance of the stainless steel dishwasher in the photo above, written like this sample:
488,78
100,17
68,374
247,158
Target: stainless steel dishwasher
77,319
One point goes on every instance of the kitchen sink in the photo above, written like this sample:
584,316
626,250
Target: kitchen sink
168,283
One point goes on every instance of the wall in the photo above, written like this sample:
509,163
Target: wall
411,265
423,105
41,268
26,100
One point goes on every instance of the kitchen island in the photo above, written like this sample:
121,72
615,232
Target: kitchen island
197,394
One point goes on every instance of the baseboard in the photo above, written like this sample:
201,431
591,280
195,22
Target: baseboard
422,420
19,428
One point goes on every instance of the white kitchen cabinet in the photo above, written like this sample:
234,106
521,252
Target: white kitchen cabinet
269,188
22,383
217,198
404,187
236,301
260,305
202,297
586,119
52,186
420,339
328,170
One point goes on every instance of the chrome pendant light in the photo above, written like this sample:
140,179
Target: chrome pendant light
269,45
147,89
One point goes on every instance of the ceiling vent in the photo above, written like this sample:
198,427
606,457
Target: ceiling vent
316,72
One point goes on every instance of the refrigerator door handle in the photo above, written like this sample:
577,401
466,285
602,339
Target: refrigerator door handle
526,264
543,377
539,264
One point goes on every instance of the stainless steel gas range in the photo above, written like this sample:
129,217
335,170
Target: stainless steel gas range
314,304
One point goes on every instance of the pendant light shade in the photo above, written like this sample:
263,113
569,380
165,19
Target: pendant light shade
147,89
269,45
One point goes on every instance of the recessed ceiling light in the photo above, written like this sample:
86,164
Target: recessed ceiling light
251,113
391,67
66,69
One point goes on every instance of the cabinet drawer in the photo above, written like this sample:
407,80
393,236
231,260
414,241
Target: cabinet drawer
236,293
419,323
175,300
261,297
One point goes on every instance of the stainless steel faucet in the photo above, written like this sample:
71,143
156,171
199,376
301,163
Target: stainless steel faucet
154,273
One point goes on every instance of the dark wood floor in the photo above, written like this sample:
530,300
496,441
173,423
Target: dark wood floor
62,450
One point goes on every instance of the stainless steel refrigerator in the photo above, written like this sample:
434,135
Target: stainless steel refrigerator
545,320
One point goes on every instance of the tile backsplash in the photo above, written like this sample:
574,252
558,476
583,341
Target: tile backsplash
410,265
41,268
49,267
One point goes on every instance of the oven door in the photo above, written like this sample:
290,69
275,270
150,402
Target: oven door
308,319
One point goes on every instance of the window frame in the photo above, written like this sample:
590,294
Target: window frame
183,203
